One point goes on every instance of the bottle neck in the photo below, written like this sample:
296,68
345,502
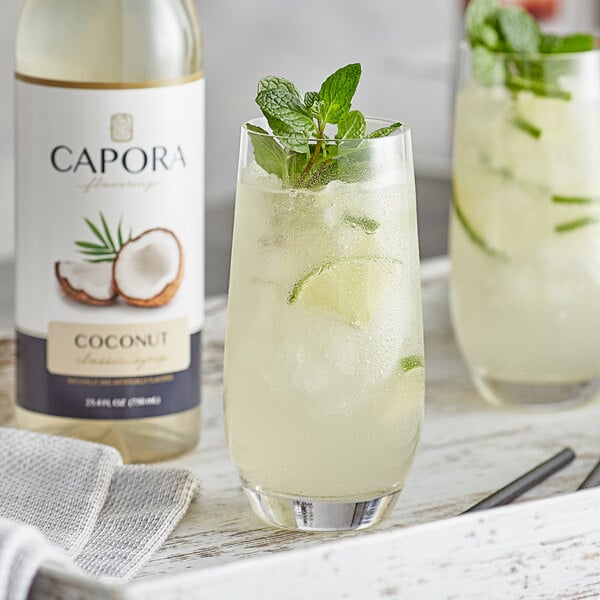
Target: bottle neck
109,41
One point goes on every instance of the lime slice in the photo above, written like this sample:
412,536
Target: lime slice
472,233
404,392
349,288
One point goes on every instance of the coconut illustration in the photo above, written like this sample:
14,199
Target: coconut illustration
90,283
148,269
145,271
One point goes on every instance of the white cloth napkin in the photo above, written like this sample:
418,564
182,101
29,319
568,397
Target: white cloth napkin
76,503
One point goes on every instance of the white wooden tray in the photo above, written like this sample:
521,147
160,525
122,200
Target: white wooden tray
547,546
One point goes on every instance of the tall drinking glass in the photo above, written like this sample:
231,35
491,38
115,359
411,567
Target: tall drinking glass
324,347
525,228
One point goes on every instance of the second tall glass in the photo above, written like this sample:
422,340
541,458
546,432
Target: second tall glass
525,232
324,348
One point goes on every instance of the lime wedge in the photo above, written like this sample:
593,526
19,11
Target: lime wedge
349,288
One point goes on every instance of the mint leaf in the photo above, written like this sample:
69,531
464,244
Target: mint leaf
337,92
313,103
527,127
543,89
278,83
489,37
550,43
479,15
520,31
575,224
268,154
578,42
384,131
297,142
488,68
287,109
324,171
573,200
287,116
352,126
408,363
368,225
296,163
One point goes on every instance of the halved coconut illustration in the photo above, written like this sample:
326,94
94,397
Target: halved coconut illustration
90,283
148,269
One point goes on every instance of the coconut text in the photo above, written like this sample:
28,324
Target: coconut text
126,341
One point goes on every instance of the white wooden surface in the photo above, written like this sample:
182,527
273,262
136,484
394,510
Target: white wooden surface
545,549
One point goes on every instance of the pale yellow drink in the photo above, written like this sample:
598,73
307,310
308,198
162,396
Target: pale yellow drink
323,361
525,240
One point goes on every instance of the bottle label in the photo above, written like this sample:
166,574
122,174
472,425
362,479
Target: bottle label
110,247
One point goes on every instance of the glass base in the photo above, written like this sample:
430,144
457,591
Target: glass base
307,514
535,396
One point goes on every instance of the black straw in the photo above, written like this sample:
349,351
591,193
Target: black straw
592,480
527,481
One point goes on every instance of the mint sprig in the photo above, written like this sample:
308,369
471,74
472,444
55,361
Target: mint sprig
511,31
302,154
